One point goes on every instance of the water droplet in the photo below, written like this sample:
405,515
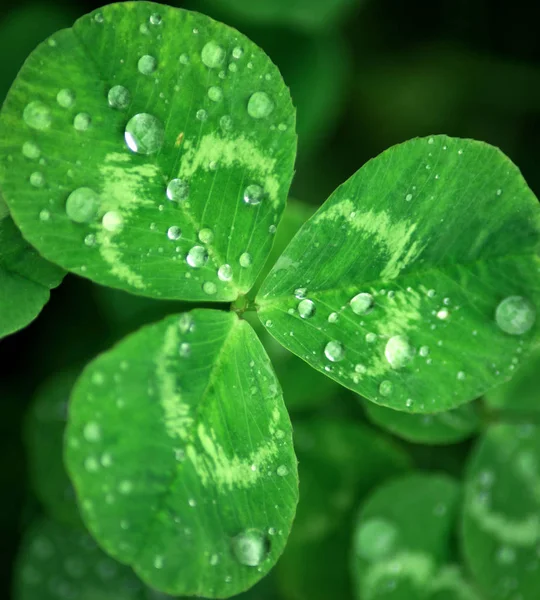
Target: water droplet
385,389
90,240
209,287
125,487
214,559
408,197
371,337
215,93
398,351
360,369
306,308
362,304
202,115
174,232
197,257
66,98
375,539
443,314
82,121
250,547
300,293
112,221
147,64
260,105
253,194
206,235
272,229
233,68
155,19
144,134
225,272
183,59
91,464
226,123
186,324
333,317
37,179
177,190
282,470
408,402
245,260
92,432
82,205
431,293
37,115
424,351
515,315
119,97
44,215
31,150
98,17
334,351
212,55
237,52
185,350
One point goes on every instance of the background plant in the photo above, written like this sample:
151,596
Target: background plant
423,326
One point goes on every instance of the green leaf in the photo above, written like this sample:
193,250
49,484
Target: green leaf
447,427
306,15
57,562
180,449
501,523
44,436
403,535
522,393
339,462
417,280
188,213
25,278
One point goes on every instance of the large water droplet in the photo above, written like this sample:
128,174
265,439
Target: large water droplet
212,55
66,98
225,272
253,194
177,190
515,315
250,547
206,235
147,64
260,105
245,260
119,97
144,134
82,205
174,232
197,257
334,351
31,150
306,308
112,221
37,115
82,121
398,351
375,539
362,303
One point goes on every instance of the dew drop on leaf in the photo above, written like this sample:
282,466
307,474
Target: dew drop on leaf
147,64
144,134
253,194
398,351
201,115
250,547
306,308
215,93
245,260
66,98
260,105
212,55
177,190
82,121
282,470
174,232
31,150
515,315
185,350
385,389
334,351
225,272
82,205
362,304
186,323
112,221
209,287
197,257
119,97
37,115
237,52
37,179
156,19
206,235
375,539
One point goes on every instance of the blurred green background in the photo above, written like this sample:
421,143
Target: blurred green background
364,74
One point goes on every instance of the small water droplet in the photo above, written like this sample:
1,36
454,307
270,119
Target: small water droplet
156,19
37,115
250,547
197,257
206,235
260,105
90,240
66,98
31,150
408,402
334,351
443,314
431,293
112,221
144,134
237,52
125,487
333,317
282,470
98,17
371,337
183,59
306,308
186,323
82,205
209,287
37,179
82,121
362,304
424,351
253,194
226,123
515,315
177,190
375,539
385,389
119,97
174,232
202,115
92,432
461,375
44,215
225,272
408,197
147,64
212,55
215,93
245,260
398,351
300,293
233,68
